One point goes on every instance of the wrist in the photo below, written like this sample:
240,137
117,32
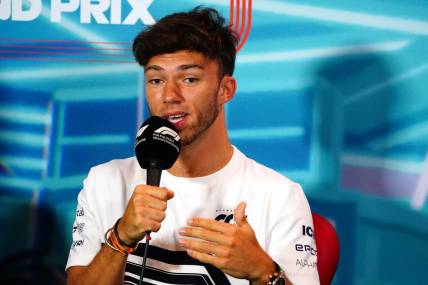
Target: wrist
262,276
112,241
122,238
278,277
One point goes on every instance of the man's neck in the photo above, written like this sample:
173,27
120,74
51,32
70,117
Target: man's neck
207,154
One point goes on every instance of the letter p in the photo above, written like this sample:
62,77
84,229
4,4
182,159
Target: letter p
57,7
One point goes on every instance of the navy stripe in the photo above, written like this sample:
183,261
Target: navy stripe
176,258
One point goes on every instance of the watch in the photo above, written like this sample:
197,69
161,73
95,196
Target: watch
278,277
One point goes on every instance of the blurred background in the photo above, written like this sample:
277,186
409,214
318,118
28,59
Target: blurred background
330,93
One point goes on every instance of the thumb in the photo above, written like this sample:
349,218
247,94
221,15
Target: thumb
170,194
239,214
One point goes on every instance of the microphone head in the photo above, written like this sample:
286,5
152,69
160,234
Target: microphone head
157,143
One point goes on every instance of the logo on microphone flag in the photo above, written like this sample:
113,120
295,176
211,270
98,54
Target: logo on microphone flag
168,131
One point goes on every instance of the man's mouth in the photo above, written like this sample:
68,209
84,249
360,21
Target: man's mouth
176,119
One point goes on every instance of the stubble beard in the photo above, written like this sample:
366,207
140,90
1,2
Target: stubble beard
204,121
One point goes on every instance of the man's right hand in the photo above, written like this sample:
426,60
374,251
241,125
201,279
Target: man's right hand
145,212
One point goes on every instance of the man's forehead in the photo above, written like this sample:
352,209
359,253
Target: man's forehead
156,67
180,60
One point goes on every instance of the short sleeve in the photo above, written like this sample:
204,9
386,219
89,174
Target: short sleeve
87,236
292,243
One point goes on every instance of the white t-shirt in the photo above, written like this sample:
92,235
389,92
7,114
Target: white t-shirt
277,210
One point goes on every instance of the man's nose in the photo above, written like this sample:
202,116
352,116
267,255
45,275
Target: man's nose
172,93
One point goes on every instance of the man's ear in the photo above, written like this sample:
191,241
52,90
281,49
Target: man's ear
227,89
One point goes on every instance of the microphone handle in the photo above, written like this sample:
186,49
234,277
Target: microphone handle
154,172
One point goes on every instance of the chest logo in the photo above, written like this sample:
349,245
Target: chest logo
225,215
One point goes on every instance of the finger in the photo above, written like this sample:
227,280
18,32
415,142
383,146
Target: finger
204,257
204,234
151,226
151,214
161,193
239,213
203,246
210,224
170,194
151,202
158,192
142,225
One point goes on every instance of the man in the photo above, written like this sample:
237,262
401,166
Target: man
218,217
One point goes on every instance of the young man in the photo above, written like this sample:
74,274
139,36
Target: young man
218,217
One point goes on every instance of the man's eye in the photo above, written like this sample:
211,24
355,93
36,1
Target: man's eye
191,80
155,81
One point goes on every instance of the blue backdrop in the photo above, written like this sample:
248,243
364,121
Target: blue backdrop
330,93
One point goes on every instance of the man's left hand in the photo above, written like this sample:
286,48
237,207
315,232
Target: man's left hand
231,248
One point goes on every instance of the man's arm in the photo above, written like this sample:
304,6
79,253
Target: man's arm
145,212
106,268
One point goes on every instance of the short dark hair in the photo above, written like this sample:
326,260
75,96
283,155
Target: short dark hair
201,29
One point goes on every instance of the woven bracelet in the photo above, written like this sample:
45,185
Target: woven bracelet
118,237
112,241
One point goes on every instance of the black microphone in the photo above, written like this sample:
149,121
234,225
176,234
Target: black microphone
157,147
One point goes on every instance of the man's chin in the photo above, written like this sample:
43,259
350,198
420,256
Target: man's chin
186,143
186,139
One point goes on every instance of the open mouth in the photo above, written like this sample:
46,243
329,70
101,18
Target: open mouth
177,119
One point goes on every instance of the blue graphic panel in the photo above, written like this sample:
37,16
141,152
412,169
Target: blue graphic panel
331,94
283,141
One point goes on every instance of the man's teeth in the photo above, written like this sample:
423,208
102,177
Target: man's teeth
175,118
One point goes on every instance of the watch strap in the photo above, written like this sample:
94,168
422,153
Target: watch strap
278,277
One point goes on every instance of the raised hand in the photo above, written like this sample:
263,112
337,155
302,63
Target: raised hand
232,248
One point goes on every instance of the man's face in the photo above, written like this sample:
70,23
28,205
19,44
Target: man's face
183,87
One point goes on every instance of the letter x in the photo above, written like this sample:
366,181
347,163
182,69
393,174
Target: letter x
139,11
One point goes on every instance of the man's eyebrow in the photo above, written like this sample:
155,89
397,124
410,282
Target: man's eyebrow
180,67
189,66
153,67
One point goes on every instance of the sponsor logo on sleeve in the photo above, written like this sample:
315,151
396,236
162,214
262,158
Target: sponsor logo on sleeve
78,227
77,243
306,263
306,248
80,212
307,231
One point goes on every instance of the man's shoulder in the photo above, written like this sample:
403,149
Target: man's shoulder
280,190
260,172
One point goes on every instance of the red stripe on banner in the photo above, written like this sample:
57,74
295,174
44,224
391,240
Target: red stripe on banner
64,59
63,53
231,15
244,8
238,16
248,27
241,25
61,41
60,47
